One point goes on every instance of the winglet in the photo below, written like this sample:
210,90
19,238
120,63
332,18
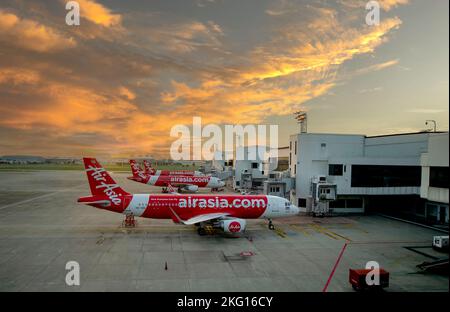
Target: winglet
171,190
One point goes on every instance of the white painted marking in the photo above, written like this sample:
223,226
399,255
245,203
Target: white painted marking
38,197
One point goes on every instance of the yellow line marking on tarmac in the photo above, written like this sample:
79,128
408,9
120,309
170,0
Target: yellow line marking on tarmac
331,235
323,230
341,236
280,232
300,229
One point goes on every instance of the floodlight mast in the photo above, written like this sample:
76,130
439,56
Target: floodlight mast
301,118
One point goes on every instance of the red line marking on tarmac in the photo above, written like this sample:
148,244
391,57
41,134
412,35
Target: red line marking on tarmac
334,268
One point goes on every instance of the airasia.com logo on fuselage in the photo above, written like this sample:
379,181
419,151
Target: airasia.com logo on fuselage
234,227
189,179
259,202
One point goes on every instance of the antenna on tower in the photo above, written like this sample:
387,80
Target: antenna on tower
301,118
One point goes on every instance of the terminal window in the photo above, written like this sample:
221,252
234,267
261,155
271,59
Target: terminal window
302,202
335,170
439,177
385,176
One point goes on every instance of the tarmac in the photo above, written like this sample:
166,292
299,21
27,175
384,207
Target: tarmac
42,227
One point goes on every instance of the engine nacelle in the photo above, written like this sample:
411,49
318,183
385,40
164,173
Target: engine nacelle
191,188
234,225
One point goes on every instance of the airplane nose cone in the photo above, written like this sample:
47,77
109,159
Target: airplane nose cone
221,183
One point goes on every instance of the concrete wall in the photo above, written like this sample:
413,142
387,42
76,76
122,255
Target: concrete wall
396,146
436,156
314,152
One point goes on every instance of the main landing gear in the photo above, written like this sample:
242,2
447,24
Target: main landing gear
271,226
201,231
205,229
129,221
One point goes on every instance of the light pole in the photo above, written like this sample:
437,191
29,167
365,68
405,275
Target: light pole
434,124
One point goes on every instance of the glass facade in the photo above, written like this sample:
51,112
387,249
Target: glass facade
385,176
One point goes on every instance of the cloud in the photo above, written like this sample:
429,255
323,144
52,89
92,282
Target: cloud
282,7
276,13
31,35
283,74
377,67
98,14
17,76
387,5
121,94
185,37
204,3
376,89
125,92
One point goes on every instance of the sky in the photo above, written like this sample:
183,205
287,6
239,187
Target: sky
116,84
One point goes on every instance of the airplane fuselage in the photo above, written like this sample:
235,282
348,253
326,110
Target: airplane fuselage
177,173
165,180
159,206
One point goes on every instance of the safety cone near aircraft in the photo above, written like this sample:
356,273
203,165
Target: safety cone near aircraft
149,170
224,212
188,183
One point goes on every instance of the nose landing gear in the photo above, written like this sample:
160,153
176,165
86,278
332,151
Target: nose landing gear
271,226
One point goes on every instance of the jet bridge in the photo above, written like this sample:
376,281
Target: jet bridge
322,192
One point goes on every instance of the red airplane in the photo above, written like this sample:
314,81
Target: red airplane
188,183
151,171
227,213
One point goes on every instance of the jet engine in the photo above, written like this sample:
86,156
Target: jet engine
234,225
191,188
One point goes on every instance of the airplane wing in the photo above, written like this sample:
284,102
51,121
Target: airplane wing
197,219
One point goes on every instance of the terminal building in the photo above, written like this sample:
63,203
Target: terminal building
401,174
248,167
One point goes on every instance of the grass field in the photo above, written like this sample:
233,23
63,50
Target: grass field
110,167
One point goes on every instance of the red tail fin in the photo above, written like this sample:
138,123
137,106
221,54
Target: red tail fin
135,168
148,167
100,181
